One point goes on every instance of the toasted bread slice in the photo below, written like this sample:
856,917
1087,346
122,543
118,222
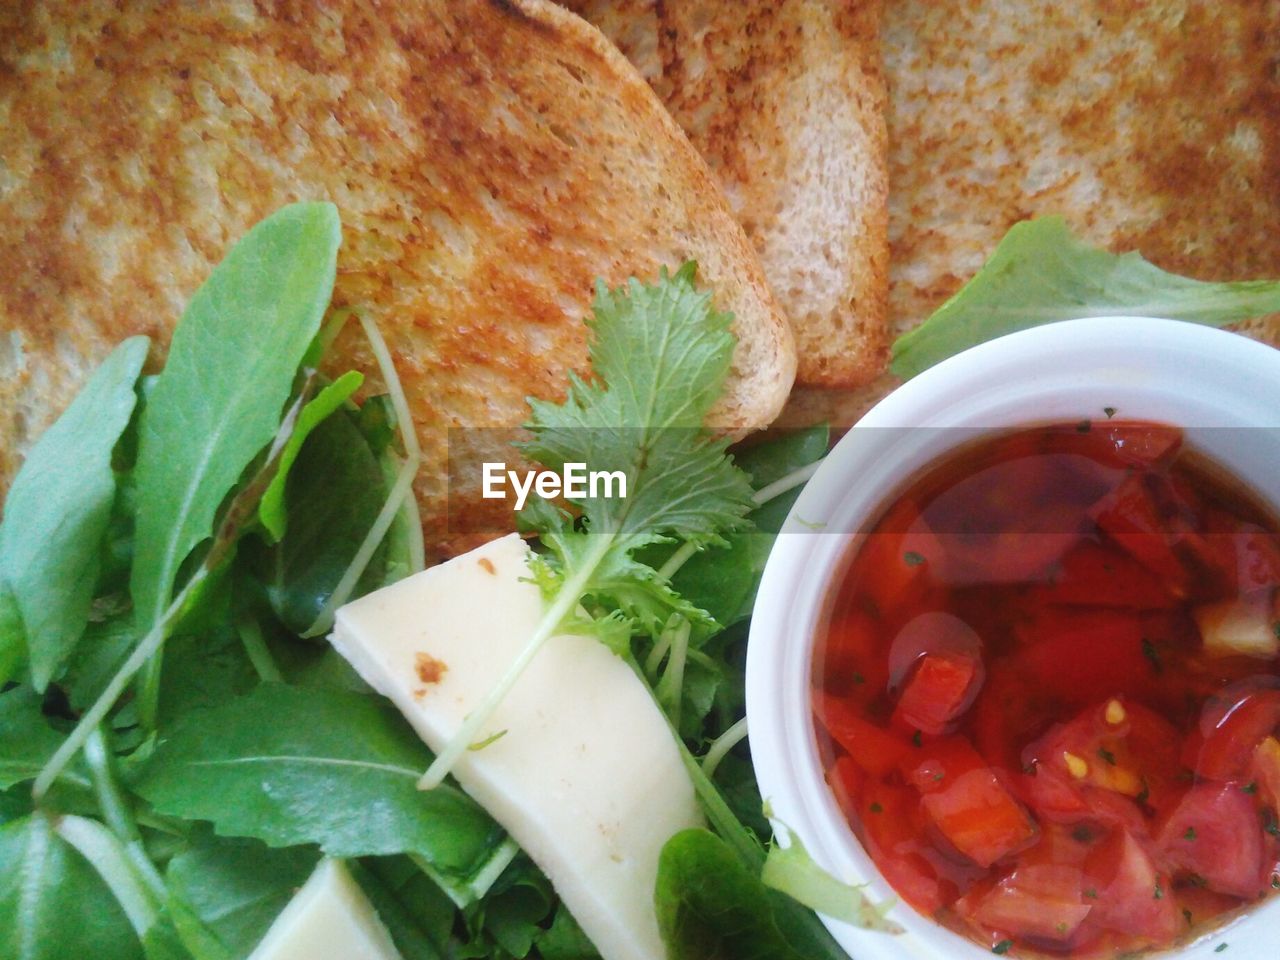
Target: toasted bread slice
1153,128
489,160
785,99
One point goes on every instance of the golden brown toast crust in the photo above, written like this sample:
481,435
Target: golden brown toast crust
489,160
1150,126
785,99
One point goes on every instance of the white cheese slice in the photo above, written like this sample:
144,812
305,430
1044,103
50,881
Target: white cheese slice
328,919
585,775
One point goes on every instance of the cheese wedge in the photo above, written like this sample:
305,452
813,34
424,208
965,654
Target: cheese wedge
328,919
579,765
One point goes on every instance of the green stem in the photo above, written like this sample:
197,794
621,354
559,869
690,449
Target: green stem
762,496
255,645
108,857
567,597
721,746
784,484
115,810
141,655
671,686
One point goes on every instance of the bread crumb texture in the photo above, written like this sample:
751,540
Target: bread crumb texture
489,158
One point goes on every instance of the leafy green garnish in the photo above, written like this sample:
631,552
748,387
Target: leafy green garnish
331,397
710,905
52,903
218,403
660,356
288,765
26,739
236,887
57,513
1040,273
791,870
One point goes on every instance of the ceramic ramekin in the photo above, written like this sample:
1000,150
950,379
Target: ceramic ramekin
1201,379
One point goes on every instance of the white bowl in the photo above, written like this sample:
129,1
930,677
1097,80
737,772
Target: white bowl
1147,369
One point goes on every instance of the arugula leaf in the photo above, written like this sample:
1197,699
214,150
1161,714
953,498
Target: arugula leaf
271,509
236,888
13,645
26,740
52,904
1040,273
288,765
58,509
660,356
416,914
229,372
710,905
334,495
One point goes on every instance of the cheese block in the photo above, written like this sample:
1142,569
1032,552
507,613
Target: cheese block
328,919
578,764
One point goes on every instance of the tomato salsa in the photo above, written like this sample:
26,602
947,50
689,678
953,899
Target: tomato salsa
1048,696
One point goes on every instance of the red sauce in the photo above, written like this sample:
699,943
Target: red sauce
1048,694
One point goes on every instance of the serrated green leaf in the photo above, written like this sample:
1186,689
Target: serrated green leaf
58,509
296,765
53,906
659,356
26,739
1041,273
229,372
271,509
235,889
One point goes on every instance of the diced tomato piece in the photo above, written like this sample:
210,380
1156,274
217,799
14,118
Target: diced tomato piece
1266,772
1258,559
941,689
1132,897
891,827
852,662
1103,761
980,817
1079,655
875,750
896,564
1215,834
1231,728
1040,902
1098,575
937,764
1009,712
1131,517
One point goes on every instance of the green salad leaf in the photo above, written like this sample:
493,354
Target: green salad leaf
218,402
335,492
1040,273
271,509
660,356
52,904
793,871
288,765
26,739
235,888
57,513
710,905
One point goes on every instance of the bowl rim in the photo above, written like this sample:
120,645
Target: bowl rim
1136,352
